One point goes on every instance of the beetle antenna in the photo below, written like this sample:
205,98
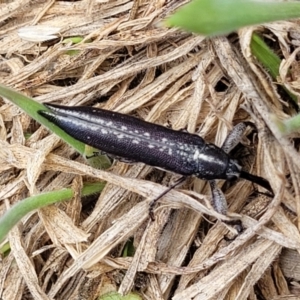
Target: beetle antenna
258,180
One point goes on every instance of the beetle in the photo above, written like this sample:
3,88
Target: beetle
134,140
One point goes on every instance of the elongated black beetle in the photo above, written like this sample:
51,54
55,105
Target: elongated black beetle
135,140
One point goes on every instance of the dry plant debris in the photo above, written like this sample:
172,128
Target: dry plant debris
74,250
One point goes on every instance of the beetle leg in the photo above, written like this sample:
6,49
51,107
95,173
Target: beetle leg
219,202
234,136
218,199
154,201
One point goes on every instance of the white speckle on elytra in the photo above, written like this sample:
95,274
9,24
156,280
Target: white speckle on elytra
182,153
170,151
88,137
120,136
150,146
196,154
104,131
135,141
96,120
136,131
94,128
123,127
146,134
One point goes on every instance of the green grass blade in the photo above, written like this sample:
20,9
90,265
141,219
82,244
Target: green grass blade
22,208
117,296
265,55
216,17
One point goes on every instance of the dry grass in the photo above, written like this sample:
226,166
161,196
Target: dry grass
73,251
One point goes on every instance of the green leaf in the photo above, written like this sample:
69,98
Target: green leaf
22,208
117,296
4,250
216,17
73,40
129,249
265,55
287,126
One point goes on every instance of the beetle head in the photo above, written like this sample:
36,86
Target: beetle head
233,170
